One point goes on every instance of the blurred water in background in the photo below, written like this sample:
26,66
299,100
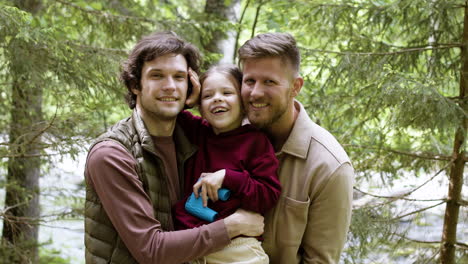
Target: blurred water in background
61,189
63,186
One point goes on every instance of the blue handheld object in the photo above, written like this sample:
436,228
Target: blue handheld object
223,194
195,205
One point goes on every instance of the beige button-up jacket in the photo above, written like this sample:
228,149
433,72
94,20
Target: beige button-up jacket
311,220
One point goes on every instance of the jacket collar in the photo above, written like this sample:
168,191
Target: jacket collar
143,134
299,139
183,147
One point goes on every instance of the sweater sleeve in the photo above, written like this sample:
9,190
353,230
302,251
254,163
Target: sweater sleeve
192,125
111,171
257,185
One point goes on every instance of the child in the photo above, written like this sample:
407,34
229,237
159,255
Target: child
230,155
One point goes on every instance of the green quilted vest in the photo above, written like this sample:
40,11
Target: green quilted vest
103,244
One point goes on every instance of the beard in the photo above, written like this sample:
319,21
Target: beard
265,120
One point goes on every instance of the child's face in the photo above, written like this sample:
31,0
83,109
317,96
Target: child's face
220,103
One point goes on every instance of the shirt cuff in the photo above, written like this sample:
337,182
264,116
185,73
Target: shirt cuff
234,180
219,234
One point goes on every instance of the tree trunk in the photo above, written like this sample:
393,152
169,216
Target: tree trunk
22,211
449,235
223,41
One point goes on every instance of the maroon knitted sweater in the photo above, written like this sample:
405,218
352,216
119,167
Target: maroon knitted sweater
250,163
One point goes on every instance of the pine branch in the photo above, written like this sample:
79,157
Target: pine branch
365,7
413,212
236,43
257,14
458,99
95,49
463,203
34,220
398,52
418,241
120,17
29,155
108,15
336,5
459,244
423,200
44,129
429,156
62,227
396,197
462,245
8,208
58,215
411,191
29,142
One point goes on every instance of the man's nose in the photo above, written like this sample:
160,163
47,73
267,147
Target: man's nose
169,84
257,91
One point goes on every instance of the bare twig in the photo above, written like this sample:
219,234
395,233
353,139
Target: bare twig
11,207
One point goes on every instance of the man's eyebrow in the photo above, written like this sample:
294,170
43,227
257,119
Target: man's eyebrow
160,70
154,69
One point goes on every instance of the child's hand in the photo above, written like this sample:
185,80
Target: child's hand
209,184
192,100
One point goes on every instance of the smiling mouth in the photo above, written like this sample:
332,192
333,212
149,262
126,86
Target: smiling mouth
256,105
168,99
217,110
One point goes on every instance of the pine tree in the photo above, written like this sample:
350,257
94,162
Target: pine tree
59,62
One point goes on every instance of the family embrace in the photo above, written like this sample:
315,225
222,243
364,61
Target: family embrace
288,180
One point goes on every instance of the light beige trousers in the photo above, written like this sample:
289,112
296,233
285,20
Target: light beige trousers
242,250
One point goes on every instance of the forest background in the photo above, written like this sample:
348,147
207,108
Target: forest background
386,77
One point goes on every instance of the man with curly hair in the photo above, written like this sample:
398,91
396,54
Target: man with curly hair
134,171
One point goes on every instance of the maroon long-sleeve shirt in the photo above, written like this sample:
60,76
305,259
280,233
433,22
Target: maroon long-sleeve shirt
111,171
250,163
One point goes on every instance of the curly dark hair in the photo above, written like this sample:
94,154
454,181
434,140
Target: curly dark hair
149,48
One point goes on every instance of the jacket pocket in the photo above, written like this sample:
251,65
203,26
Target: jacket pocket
286,223
291,221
